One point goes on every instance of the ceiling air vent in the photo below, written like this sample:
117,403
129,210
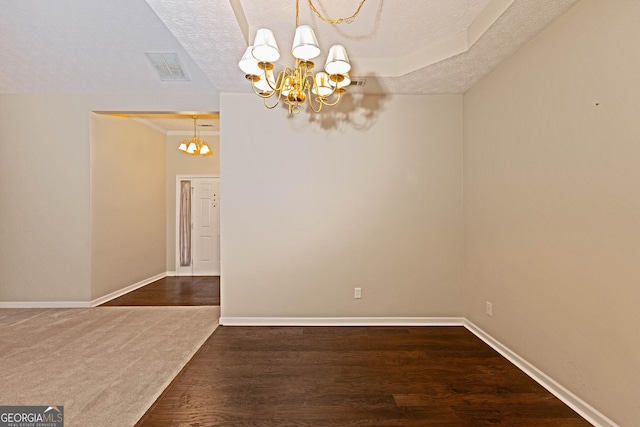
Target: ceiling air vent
355,81
168,66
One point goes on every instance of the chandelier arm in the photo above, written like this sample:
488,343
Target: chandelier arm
331,104
279,82
264,100
312,107
318,99
259,93
309,81
277,100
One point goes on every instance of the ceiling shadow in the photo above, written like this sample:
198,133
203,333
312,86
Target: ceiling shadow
358,109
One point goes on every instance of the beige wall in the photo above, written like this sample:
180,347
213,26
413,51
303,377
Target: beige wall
128,201
311,209
552,204
45,203
44,194
179,163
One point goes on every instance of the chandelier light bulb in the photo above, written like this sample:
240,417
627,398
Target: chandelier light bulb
193,146
205,150
322,86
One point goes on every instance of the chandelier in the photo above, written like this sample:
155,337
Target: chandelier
296,85
195,146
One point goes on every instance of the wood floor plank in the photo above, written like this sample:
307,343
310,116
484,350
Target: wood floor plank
354,376
183,290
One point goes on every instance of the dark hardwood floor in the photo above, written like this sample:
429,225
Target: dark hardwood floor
354,376
184,290
342,376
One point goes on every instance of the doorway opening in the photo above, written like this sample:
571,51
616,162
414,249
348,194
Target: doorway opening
117,141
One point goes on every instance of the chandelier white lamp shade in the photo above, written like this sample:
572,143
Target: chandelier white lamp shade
194,145
305,45
249,64
205,150
297,85
265,48
337,61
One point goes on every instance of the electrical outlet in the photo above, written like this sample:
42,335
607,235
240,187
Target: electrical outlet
357,293
489,308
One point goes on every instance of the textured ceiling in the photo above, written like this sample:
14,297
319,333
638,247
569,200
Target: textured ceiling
87,46
403,47
398,46
381,29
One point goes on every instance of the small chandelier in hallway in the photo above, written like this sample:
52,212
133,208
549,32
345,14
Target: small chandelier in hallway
195,146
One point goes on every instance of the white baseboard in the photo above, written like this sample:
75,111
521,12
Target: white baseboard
44,304
585,410
342,321
126,290
171,274
84,304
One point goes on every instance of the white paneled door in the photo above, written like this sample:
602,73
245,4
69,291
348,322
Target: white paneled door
206,234
205,231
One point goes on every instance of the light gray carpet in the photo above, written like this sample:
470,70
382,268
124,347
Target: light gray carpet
105,365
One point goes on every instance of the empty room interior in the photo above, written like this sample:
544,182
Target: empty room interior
471,166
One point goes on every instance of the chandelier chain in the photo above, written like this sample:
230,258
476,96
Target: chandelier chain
348,20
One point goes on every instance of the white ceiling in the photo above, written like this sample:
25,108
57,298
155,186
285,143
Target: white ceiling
396,46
